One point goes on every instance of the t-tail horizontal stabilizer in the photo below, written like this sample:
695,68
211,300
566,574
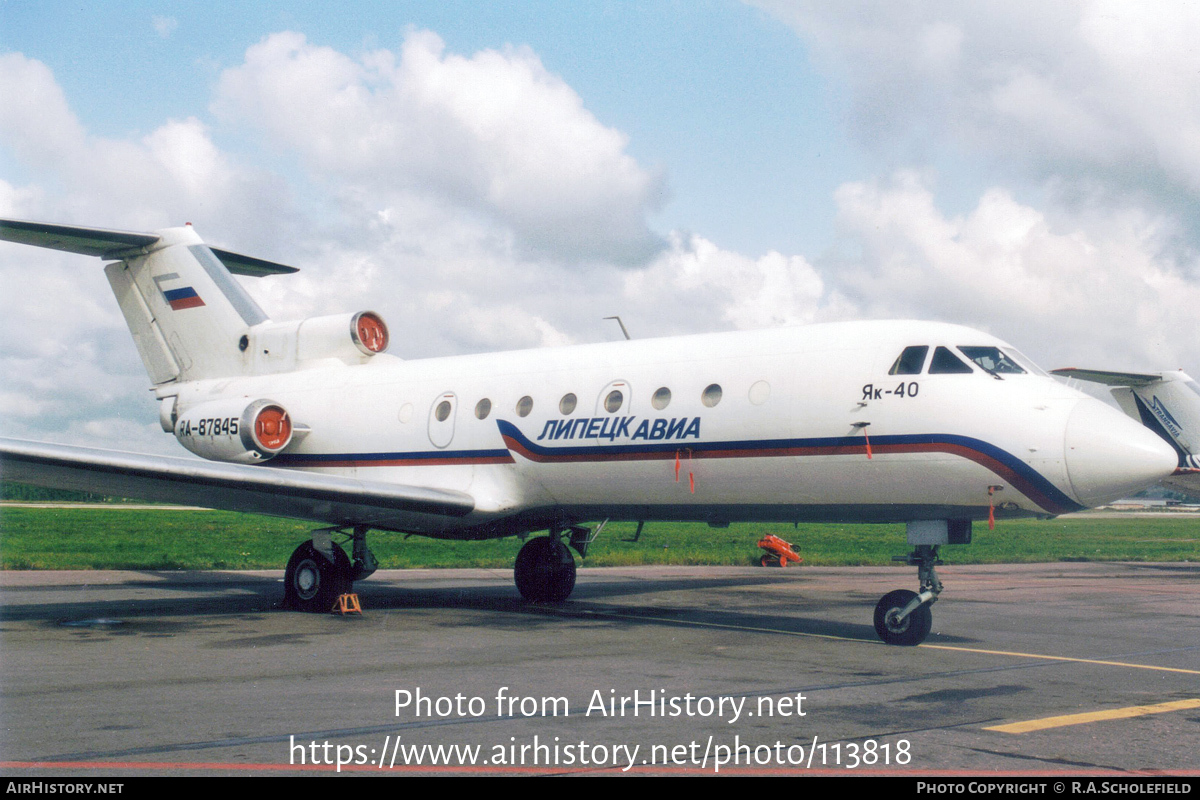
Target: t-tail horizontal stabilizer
110,244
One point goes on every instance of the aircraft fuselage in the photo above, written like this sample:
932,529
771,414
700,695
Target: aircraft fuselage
783,425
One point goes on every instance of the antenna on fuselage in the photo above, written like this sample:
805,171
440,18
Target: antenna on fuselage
622,324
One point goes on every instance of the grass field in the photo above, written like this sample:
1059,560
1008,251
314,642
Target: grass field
117,538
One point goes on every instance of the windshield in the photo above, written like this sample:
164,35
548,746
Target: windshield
992,360
946,363
910,361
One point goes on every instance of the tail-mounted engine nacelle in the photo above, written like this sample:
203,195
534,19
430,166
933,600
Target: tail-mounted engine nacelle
281,346
341,335
235,430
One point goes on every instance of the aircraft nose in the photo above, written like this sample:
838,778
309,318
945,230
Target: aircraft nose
1110,456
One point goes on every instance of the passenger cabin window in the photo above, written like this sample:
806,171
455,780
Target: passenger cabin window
613,402
661,398
524,406
946,363
567,404
910,361
711,395
483,408
992,360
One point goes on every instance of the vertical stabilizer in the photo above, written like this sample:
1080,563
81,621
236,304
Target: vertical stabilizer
186,311
1172,406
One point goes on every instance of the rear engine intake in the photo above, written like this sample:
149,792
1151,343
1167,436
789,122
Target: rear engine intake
234,430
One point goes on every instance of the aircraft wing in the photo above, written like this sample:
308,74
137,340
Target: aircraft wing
1108,378
329,499
105,243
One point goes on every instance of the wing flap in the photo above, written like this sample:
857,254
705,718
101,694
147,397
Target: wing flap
329,499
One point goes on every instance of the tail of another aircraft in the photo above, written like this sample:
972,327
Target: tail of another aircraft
1166,402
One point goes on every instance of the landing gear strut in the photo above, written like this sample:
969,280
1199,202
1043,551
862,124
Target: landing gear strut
545,570
319,571
903,617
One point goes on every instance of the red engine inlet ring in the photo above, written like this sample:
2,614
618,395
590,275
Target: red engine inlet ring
369,332
272,428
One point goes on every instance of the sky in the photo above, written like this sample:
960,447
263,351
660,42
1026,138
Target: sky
493,176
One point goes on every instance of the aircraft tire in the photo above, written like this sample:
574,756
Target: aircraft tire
545,570
311,583
913,630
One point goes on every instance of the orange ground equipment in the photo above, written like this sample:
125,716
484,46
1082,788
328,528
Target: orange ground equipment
779,552
346,604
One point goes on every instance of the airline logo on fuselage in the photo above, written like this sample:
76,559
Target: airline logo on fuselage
612,428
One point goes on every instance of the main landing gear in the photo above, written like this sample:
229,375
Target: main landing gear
903,617
545,569
319,571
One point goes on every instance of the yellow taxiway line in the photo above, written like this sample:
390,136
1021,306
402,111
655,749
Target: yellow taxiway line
1061,658
1094,716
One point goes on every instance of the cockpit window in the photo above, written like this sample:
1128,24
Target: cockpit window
910,361
992,360
1024,360
946,363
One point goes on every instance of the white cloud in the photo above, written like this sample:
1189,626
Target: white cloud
1111,295
495,133
698,286
1095,89
173,175
1092,108
35,120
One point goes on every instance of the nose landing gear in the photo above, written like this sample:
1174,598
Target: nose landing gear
903,617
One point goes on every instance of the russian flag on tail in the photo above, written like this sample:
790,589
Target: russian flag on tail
183,298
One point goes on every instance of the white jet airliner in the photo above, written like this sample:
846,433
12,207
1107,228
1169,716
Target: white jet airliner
929,424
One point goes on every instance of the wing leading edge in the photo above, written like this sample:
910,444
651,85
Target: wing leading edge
330,499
